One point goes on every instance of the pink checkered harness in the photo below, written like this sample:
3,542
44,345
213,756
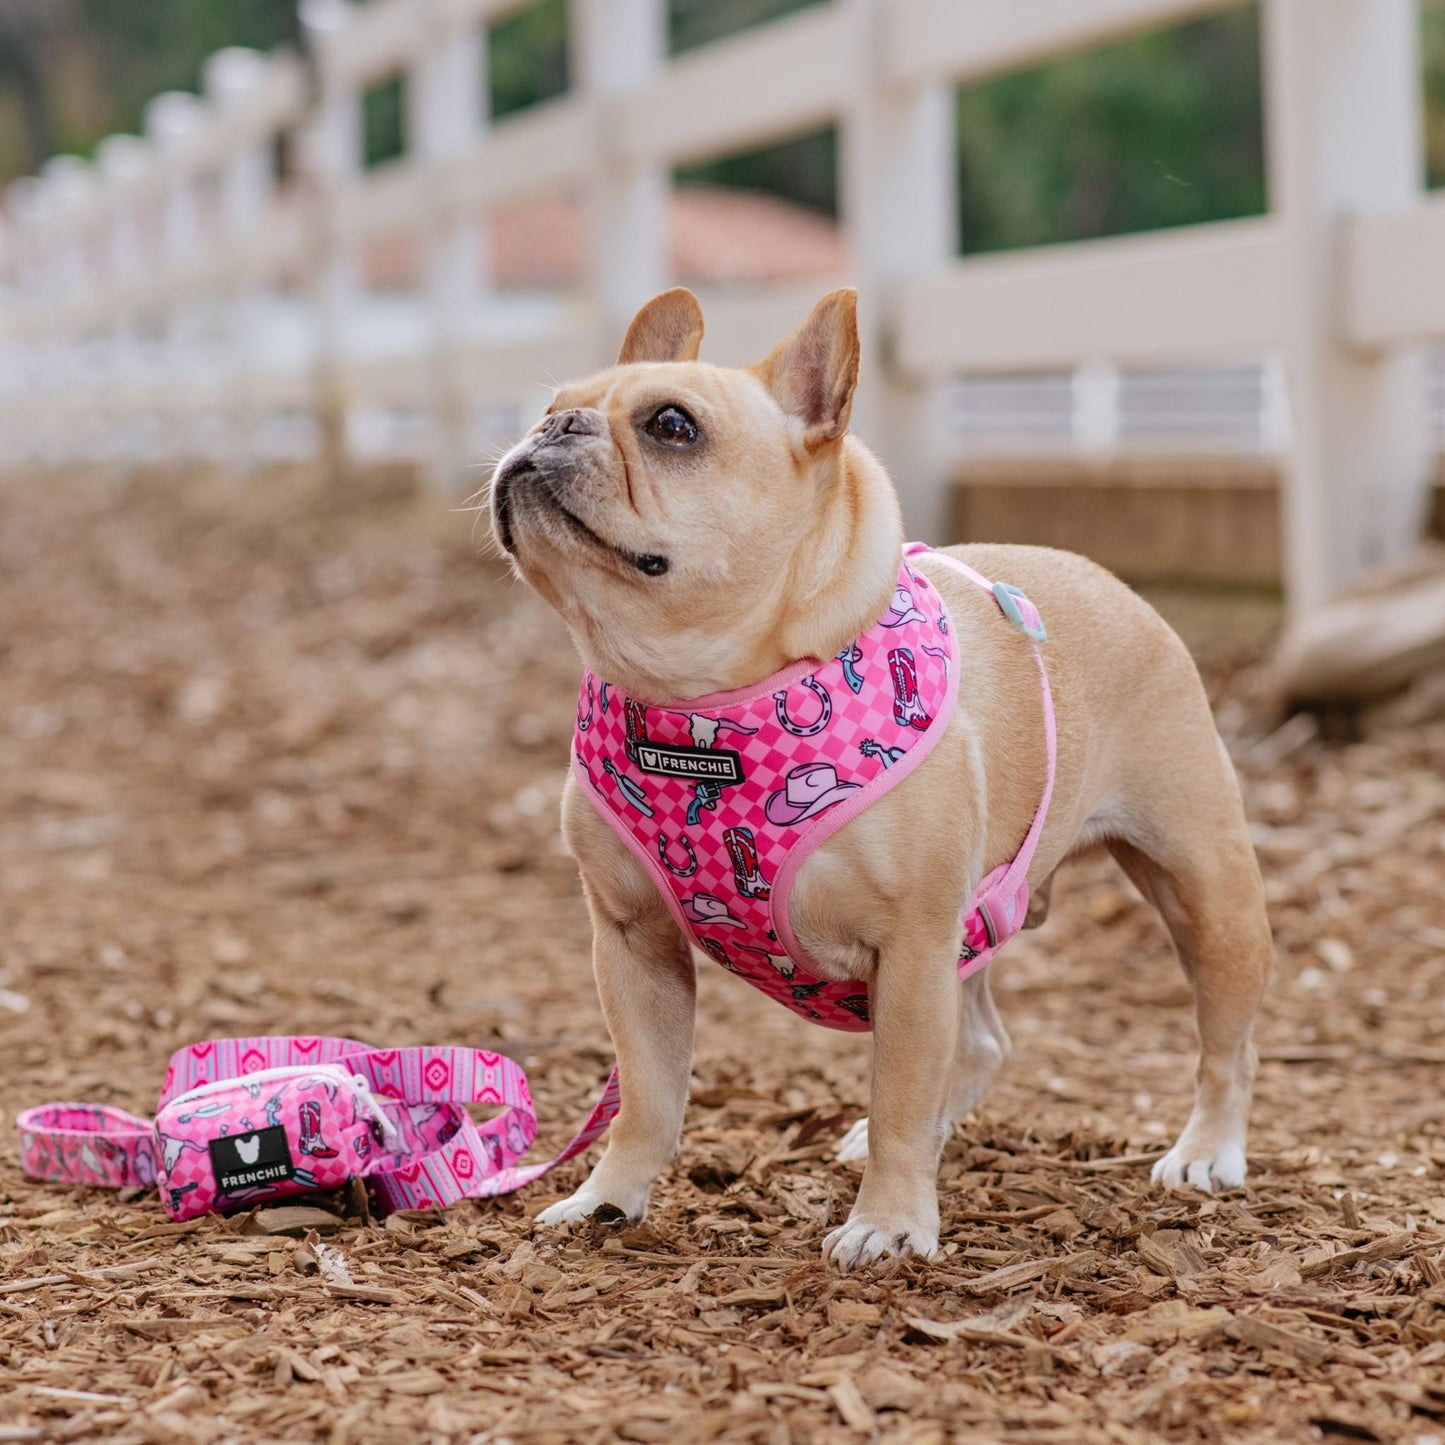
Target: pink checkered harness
723,798
251,1120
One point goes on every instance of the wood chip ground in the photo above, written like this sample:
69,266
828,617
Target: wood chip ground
273,759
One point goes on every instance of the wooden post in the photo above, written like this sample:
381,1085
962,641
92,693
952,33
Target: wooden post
334,157
617,46
122,161
68,186
248,177
171,120
898,204
1342,100
446,99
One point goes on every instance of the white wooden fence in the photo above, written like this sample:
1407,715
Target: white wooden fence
182,297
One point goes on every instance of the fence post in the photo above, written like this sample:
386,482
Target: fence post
30,348
122,161
617,46
333,149
898,203
171,120
446,109
67,191
248,176
1342,95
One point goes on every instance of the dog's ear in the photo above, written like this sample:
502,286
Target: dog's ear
812,375
668,328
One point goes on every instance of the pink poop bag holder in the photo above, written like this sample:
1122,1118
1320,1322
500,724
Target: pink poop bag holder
254,1120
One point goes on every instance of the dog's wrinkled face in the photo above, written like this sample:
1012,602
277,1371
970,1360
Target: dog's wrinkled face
662,506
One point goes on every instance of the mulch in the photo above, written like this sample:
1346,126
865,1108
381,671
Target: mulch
278,758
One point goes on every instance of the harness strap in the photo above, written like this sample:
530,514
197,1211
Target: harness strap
98,1145
1002,897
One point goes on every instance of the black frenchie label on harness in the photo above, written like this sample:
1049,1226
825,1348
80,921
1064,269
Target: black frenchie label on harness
695,765
243,1161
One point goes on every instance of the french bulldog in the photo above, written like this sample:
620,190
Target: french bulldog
701,529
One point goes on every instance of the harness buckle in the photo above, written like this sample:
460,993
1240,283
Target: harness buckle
1015,605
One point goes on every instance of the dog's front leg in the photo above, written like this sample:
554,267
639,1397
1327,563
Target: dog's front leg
648,987
915,1007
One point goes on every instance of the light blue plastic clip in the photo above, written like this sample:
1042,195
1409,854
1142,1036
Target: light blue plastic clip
1008,598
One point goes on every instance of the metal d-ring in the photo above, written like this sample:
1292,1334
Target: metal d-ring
663,842
780,703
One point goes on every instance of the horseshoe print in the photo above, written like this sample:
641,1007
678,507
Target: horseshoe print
663,842
583,723
939,652
825,713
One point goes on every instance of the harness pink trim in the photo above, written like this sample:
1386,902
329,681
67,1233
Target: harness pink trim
758,802
1004,893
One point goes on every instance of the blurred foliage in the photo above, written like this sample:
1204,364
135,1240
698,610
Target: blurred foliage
527,57
1433,20
383,122
805,170
1160,130
691,23
142,47
74,71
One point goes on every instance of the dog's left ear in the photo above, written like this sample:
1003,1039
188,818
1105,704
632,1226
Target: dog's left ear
668,328
812,375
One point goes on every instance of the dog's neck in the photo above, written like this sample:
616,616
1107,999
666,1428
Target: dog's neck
837,583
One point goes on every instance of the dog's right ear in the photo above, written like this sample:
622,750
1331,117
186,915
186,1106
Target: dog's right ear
668,328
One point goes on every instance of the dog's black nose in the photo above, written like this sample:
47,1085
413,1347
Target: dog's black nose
572,422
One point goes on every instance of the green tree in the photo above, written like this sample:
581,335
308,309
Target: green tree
1164,129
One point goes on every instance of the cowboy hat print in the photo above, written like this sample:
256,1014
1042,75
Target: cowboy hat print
809,789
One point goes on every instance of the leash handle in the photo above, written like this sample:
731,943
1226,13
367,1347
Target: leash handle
92,1145
440,1156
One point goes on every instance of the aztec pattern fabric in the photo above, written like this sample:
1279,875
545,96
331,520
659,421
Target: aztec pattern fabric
247,1120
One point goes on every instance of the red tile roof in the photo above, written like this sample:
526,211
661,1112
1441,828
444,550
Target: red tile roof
715,236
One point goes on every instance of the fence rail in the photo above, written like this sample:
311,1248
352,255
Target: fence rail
203,289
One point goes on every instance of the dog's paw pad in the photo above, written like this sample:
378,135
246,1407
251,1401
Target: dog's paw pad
861,1241
853,1146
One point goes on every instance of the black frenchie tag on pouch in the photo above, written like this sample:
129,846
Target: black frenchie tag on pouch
246,1161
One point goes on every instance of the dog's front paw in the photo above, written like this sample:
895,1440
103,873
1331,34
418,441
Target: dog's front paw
1200,1165
583,1205
862,1240
853,1146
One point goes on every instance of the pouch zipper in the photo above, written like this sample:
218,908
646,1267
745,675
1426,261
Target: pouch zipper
331,1071
359,1085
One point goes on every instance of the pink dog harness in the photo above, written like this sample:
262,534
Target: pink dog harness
723,798
252,1120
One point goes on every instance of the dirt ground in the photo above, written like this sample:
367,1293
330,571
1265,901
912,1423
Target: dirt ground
278,760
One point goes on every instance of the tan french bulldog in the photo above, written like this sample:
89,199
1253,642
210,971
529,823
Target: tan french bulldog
699,529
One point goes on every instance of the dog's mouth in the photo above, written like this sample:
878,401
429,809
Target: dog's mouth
547,493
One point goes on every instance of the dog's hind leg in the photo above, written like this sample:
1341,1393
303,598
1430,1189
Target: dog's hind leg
1198,869
983,1045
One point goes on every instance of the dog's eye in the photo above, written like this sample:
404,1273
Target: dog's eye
672,427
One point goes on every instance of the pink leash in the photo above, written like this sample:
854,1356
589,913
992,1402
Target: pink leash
454,1158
